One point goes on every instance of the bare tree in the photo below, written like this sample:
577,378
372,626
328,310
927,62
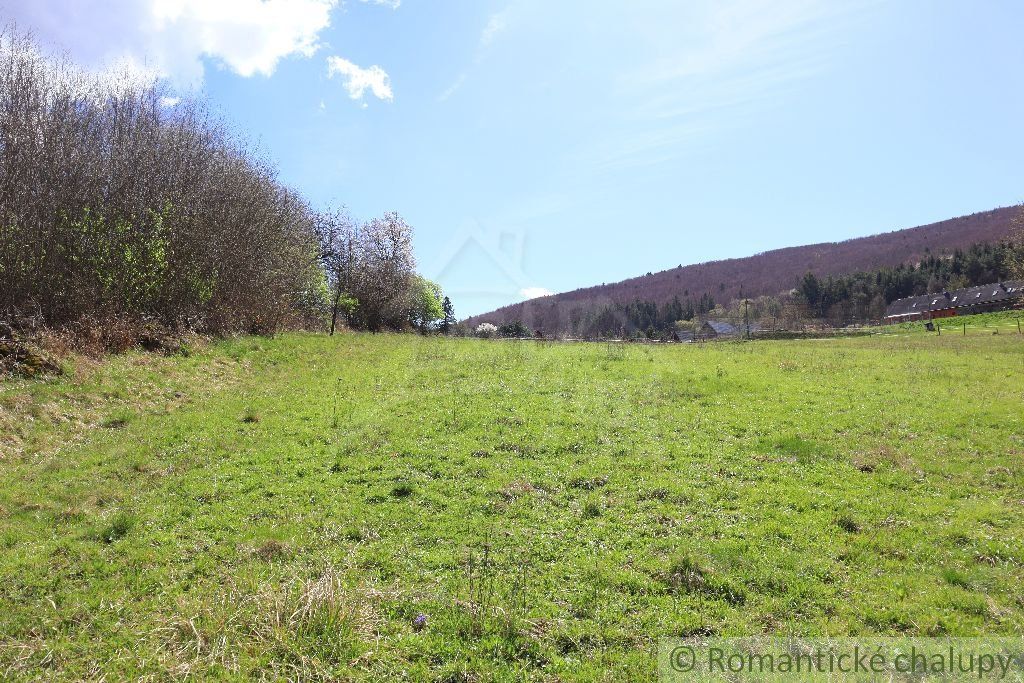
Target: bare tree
1017,239
385,269
339,249
115,201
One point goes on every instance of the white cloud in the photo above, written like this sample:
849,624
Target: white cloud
169,101
534,292
358,80
172,37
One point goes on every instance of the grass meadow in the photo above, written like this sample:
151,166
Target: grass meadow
398,507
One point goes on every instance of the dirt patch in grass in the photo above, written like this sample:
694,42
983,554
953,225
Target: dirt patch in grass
515,490
22,360
272,549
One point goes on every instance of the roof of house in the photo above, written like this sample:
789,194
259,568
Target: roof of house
720,327
970,296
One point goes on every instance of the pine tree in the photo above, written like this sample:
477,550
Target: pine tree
449,316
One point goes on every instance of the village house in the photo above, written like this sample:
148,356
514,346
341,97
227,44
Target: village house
999,296
716,329
719,329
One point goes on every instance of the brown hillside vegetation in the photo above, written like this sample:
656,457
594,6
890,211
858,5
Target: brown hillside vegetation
767,273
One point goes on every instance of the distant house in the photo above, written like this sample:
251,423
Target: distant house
714,329
998,296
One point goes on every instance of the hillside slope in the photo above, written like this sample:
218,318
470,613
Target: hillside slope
770,272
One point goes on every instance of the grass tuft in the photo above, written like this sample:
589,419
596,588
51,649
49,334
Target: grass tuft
848,524
403,490
687,575
118,419
120,526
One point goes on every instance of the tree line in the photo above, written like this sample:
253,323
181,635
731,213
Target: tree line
865,295
839,300
645,317
371,275
638,318
119,201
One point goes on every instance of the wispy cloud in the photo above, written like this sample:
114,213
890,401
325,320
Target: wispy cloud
357,80
739,35
450,90
735,56
393,4
496,24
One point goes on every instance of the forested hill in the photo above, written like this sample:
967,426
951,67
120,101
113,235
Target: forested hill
767,273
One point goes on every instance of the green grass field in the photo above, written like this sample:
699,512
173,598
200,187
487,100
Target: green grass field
287,508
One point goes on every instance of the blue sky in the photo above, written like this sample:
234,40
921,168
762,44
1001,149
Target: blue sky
544,146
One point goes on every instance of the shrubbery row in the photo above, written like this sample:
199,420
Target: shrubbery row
119,202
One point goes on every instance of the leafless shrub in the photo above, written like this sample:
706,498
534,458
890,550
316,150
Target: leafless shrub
117,204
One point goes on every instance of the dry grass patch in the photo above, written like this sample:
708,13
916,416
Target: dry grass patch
300,629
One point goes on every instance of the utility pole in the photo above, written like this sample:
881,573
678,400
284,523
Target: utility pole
746,313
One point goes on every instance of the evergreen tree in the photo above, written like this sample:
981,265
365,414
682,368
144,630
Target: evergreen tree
448,319
671,312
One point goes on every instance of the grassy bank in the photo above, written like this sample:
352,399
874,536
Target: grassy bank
292,507
1000,322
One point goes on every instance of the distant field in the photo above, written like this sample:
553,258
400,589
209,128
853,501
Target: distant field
291,507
